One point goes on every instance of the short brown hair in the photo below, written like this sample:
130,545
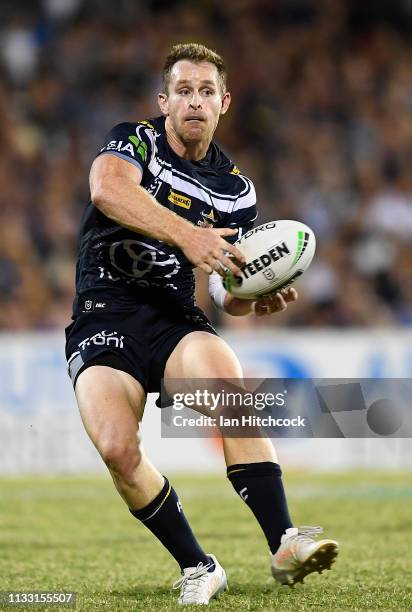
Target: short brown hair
194,52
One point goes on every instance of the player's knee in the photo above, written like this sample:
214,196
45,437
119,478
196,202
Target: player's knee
223,364
122,458
221,370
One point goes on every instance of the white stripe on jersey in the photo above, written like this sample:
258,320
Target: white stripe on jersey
188,189
184,183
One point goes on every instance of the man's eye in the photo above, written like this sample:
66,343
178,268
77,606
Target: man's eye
208,92
184,92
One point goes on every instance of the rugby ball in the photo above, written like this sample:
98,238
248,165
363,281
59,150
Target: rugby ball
277,254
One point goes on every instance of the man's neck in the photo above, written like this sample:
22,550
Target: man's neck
194,151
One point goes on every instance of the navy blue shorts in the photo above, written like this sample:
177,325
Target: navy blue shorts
138,342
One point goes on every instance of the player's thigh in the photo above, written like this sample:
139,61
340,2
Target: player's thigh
203,355
199,356
111,405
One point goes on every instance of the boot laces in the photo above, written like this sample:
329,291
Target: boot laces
306,532
192,585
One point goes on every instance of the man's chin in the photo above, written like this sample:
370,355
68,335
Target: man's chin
195,134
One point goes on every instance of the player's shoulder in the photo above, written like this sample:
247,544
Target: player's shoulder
240,184
134,140
135,128
244,187
244,183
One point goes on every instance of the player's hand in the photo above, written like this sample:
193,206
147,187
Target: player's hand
206,248
275,302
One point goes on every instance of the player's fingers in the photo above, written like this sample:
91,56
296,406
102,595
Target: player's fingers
290,295
218,267
206,268
277,303
273,303
214,263
233,250
227,262
261,309
225,231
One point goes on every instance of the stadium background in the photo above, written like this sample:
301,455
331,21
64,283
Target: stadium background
321,120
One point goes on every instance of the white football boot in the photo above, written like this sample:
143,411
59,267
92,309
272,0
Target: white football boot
299,555
198,586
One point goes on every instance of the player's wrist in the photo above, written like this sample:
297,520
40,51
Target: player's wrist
238,307
183,235
176,231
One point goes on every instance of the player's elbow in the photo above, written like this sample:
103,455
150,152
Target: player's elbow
102,197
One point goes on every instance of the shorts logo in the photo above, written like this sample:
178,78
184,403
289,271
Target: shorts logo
90,305
103,339
179,200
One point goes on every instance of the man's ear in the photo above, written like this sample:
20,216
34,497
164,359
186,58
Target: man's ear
163,103
225,103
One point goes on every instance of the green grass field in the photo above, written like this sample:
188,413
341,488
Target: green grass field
75,534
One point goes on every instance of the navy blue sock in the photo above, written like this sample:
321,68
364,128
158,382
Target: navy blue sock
165,519
261,488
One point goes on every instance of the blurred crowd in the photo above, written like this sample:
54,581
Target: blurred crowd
321,120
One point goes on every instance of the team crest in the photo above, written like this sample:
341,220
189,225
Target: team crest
209,216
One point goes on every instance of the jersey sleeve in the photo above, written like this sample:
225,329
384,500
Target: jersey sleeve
131,142
244,213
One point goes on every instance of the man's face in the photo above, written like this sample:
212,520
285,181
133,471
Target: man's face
194,101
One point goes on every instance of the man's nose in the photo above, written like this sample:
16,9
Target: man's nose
196,101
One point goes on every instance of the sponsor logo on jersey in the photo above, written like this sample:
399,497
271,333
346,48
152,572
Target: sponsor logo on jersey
179,200
141,147
119,145
137,259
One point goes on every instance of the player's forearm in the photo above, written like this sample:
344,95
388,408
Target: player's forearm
131,206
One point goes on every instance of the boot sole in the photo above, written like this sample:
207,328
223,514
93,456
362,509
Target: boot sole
320,560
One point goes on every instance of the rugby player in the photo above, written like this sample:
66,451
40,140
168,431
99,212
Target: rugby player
164,200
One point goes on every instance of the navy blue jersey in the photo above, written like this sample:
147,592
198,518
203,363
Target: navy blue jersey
118,267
